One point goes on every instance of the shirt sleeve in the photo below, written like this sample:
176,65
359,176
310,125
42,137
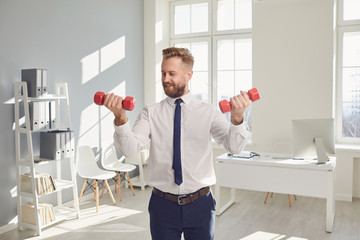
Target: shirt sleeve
232,137
132,141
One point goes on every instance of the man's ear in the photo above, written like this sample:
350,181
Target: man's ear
189,74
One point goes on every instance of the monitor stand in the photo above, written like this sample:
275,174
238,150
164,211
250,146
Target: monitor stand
320,151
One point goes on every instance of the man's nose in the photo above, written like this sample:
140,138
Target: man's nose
166,78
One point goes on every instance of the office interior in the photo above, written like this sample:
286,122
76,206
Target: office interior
294,66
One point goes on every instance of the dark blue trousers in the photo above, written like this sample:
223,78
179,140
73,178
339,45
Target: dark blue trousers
196,220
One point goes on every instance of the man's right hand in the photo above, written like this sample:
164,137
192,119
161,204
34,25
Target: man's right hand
114,104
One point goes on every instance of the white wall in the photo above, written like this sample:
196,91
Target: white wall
292,66
92,45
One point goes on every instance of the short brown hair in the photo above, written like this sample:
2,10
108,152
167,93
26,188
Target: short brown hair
183,53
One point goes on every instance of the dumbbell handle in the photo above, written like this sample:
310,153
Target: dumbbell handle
225,105
128,103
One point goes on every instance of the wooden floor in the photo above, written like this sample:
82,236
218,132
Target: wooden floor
248,219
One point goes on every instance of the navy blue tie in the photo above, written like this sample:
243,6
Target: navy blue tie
177,143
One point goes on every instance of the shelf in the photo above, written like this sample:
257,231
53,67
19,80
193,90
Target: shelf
31,161
60,185
47,97
61,214
39,161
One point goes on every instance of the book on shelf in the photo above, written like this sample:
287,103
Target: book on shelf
44,183
45,210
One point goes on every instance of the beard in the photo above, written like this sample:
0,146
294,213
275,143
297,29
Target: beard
175,92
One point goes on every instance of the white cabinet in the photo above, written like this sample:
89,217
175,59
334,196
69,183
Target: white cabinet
27,163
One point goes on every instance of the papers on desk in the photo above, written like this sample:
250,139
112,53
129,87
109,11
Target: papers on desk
244,154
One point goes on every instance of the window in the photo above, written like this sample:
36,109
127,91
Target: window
348,100
200,50
221,45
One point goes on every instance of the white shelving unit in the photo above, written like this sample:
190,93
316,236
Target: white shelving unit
27,162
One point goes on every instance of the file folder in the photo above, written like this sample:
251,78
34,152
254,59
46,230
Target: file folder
33,78
50,145
47,116
67,144
72,144
63,144
43,81
52,114
34,116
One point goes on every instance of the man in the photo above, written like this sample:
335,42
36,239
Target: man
180,165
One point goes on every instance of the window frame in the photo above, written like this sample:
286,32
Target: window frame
173,4
225,32
340,14
339,87
214,59
199,39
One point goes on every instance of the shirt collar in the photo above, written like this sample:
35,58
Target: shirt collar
186,99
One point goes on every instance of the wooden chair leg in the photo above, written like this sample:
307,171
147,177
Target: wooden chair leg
115,182
271,194
119,177
108,188
266,197
83,189
102,192
295,197
289,200
132,189
97,195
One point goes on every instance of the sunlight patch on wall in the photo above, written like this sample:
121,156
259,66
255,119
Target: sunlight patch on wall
90,67
112,53
158,31
88,125
99,61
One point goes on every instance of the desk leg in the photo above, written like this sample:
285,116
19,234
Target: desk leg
219,209
330,202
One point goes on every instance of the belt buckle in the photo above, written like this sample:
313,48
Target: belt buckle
180,199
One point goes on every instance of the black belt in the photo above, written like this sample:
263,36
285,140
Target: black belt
182,199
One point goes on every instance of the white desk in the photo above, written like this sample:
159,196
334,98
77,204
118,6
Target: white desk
301,177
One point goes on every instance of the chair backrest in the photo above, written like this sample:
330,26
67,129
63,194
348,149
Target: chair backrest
85,161
109,156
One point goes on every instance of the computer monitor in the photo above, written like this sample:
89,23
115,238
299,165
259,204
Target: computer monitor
313,138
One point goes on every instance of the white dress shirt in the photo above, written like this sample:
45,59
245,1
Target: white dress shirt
200,122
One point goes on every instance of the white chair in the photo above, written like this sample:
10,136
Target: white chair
110,161
87,168
141,161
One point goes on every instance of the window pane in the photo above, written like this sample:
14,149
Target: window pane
225,15
243,14
351,49
351,84
225,85
225,54
243,54
351,120
182,19
234,14
199,85
243,81
351,9
183,45
200,53
199,17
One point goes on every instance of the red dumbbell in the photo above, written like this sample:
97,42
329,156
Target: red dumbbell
225,105
128,103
